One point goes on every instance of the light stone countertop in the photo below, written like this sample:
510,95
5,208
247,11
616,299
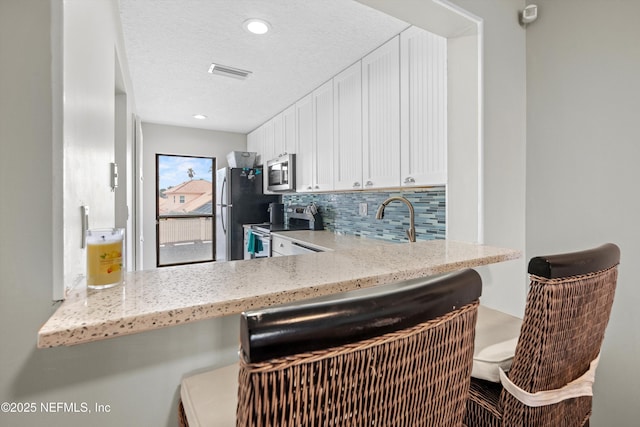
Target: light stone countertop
153,299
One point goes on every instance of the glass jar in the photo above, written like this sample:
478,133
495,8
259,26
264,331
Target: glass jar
105,257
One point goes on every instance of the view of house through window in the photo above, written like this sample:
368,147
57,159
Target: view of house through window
184,209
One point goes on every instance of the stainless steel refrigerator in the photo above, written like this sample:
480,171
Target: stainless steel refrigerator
239,200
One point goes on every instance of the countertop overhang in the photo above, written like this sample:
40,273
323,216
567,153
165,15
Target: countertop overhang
153,299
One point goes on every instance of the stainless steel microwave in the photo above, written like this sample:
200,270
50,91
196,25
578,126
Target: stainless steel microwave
281,173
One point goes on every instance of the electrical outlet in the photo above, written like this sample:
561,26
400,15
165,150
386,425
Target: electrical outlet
362,209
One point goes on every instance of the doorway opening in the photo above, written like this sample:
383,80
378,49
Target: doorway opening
185,231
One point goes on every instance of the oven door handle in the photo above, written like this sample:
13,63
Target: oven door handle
261,234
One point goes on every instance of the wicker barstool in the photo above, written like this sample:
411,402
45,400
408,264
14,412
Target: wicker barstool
566,314
397,355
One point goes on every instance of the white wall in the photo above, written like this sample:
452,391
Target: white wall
164,139
91,44
504,101
26,172
462,139
583,91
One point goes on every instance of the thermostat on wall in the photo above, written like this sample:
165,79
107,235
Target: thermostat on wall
529,14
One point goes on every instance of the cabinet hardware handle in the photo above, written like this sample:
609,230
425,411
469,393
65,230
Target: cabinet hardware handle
409,180
309,188
317,188
85,224
356,184
368,184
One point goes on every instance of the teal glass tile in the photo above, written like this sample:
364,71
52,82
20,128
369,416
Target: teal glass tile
340,213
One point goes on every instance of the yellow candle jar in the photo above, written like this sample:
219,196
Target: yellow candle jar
105,263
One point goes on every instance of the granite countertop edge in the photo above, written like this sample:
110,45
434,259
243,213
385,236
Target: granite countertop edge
153,299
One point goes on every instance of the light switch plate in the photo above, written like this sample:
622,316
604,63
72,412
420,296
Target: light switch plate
362,209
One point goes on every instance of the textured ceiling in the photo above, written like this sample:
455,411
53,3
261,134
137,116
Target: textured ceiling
170,45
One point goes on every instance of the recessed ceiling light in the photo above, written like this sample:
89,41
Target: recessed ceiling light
199,116
256,26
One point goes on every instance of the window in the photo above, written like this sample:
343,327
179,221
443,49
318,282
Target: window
185,230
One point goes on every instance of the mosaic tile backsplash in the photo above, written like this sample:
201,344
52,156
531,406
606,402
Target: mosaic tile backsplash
340,213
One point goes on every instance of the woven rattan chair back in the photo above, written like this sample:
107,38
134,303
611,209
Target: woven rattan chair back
401,357
566,314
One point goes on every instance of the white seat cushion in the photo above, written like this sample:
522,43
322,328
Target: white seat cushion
210,398
495,343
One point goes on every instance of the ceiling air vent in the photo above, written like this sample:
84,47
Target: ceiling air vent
224,70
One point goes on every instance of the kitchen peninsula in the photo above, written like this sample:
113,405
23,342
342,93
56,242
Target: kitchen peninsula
172,296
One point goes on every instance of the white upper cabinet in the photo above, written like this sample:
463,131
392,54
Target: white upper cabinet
268,144
323,137
347,126
278,135
261,140
275,137
304,151
380,123
254,144
314,155
284,130
289,130
381,116
424,108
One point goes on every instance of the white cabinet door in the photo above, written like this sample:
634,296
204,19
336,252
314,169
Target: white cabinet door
280,246
278,135
424,108
285,247
347,124
284,131
314,154
254,144
381,116
304,151
323,137
268,138
261,141
289,130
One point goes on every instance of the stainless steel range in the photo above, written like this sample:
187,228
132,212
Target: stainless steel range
257,242
303,217
299,217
